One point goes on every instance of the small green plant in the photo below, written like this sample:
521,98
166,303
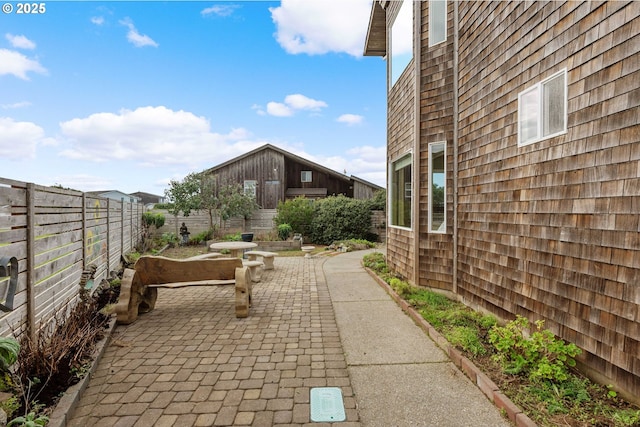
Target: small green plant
29,420
201,237
170,239
10,406
284,231
402,288
541,356
466,337
9,350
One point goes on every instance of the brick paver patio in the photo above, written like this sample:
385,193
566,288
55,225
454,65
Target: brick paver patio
190,362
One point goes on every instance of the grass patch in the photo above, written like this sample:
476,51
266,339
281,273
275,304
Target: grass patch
532,367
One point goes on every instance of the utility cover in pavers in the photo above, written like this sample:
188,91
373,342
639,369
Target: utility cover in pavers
327,405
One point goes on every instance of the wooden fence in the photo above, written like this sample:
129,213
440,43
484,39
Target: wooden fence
52,235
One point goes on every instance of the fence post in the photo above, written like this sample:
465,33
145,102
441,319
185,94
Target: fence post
108,236
84,231
31,261
122,227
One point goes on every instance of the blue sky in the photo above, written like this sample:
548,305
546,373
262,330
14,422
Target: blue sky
128,95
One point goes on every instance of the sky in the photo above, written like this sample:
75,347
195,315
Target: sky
130,95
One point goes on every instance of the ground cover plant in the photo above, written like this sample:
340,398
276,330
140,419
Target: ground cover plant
36,372
531,366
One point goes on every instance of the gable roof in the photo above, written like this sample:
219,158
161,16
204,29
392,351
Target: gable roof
292,157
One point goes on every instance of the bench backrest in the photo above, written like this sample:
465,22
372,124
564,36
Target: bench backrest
155,270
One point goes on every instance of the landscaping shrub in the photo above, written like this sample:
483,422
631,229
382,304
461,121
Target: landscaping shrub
298,213
284,231
340,218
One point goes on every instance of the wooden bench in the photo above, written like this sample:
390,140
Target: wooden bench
139,286
267,258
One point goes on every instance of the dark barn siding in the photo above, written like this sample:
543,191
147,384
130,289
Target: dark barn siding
262,166
320,179
550,230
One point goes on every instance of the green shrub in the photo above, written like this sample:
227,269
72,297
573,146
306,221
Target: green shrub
170,239
201,237
284,231
151,218
340,218
541,356
379,200
298,213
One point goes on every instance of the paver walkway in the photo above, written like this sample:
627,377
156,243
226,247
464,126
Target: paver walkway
190,362
315,322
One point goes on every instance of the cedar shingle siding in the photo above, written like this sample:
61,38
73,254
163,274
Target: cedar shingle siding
549,230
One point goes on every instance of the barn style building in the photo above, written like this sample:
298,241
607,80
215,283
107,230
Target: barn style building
275,175
514,163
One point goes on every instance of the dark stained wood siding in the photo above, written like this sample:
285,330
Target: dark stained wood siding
320,179
551,230
265,166
436,125
400,138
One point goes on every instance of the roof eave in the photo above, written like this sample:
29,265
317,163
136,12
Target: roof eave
376,41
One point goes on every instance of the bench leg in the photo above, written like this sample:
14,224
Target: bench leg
243,291
126,308
268,262
252,257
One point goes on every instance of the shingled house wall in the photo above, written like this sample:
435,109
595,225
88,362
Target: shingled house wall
401,136
549,230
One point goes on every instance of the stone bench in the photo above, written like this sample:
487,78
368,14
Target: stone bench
139,287
255,269
267,258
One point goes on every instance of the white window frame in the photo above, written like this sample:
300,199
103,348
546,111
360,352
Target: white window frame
442,229
538,91
401,31
306,176
403,191
433,18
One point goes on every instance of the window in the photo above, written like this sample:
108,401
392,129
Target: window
401,40
437,187
437,22
305,176
250,187
400,192
542,110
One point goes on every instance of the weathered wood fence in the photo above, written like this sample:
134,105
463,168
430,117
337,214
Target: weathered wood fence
52,236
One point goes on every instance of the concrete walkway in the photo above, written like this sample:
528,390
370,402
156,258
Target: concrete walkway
318,322
400,377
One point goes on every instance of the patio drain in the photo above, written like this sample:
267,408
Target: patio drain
327,405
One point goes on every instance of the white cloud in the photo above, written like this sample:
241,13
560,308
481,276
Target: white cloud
322,26
85,182
292,103
21,104
12,62
301,102
219,10
350,119
152,136
279,109
20,42
97,20
134,37
18,140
